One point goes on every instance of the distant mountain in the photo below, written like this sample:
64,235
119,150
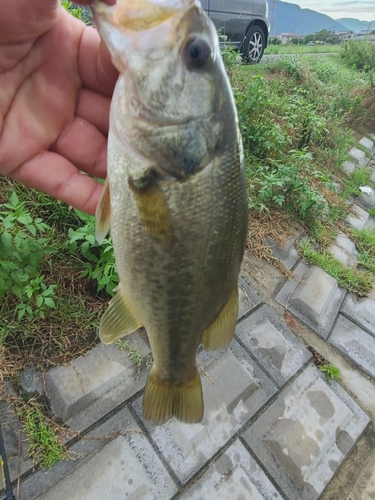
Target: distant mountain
291,18
356,25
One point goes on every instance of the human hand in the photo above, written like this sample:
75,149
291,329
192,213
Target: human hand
56,82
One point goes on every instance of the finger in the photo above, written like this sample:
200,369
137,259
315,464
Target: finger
22,20
94,108
83,145
88,2
94,63
56,176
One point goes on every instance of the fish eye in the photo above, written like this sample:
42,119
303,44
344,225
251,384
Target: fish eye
198,53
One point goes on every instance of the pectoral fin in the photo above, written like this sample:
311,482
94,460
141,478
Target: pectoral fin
103,214
164,399
152,207
118,320
220,333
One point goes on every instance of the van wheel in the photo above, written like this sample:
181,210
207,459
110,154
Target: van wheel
254,45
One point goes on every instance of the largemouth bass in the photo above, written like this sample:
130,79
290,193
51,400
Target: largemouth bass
175,197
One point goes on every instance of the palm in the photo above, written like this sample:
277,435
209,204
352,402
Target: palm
54,105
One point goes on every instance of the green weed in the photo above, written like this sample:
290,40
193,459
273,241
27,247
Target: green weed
25,244
98,259
78,12
352,184
365,244
331,372
352,280
133,353
44,445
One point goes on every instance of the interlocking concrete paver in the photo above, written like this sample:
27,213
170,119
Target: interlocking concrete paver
358,218
344,250
359,157
348,167
91,386
315,299
273,345
368,144
247,298
364,489
361,310
15,441
31,380
120,466
287,253
235,475
303,437
235,390
367,200
354,343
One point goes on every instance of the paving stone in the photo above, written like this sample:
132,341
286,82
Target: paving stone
116,461
235,391
91,386
364,489
235,475
344,250
304,436
372,178
348,167
355,344
358,218
359,157
361,311
273,345
31,380
247,298
367,200
315,298
287,254
368,144
15,441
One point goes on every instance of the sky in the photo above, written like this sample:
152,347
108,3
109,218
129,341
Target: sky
357,9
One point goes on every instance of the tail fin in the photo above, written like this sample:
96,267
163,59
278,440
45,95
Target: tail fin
164,399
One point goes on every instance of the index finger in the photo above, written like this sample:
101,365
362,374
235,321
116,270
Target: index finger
94,63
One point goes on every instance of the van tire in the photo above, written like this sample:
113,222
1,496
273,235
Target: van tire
254,44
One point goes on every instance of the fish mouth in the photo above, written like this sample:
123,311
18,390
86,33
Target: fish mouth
140,15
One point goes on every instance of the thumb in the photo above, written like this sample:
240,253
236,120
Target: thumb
24,20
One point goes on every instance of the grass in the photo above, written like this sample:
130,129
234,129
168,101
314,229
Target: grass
294,49
353,280
45,447
331,371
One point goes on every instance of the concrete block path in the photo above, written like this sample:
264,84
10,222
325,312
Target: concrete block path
274,427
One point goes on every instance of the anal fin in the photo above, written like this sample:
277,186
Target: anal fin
164,399
220,333
118,320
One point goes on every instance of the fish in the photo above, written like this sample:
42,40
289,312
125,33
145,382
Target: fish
175,195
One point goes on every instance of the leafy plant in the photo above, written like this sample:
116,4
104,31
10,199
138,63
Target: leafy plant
98,259
287,187
133,353
76,11
44,445
330,371
24,244
352,279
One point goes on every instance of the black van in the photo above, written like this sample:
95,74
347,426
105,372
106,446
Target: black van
244,23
